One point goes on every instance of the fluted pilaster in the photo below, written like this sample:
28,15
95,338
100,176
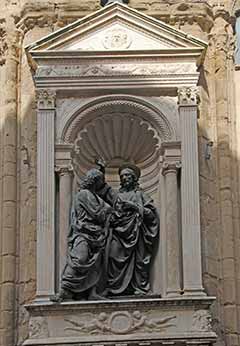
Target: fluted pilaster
191,238
45,194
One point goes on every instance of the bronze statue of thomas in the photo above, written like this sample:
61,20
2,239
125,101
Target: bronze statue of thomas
111,240
84,274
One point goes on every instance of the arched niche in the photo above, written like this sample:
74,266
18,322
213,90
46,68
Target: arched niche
119,129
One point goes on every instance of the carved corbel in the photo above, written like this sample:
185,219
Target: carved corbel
188,96
46,98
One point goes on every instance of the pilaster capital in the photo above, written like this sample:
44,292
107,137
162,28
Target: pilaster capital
171,167
188,96
46,98
64,170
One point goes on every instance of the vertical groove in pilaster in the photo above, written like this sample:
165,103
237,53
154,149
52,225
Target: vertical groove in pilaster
192,271
46,202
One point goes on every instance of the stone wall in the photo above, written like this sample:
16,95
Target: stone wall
23,22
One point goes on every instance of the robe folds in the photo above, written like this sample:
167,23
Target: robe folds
134,235
86,243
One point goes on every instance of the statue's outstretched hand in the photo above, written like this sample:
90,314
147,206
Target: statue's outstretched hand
101,164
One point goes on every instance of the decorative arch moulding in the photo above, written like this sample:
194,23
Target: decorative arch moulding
114,104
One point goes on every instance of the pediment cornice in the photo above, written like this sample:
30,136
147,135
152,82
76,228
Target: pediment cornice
171,12
116,27
116,46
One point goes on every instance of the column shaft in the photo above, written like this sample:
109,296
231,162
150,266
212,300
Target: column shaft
172,231
65,197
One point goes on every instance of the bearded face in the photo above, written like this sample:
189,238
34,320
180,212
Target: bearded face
128,178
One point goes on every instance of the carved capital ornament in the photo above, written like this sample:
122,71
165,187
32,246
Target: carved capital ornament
46,98
188,96
171,167
64,170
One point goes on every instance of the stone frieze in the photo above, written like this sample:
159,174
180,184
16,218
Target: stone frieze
91,70
121,322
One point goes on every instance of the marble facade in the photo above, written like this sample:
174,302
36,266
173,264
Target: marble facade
111,71
75,102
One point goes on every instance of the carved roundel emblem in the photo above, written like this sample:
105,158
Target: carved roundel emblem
120,322
117,39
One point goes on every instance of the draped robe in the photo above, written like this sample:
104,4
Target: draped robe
87,232
134,236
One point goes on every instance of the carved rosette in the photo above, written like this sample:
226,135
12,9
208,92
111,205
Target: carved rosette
188,96
46,98
117,39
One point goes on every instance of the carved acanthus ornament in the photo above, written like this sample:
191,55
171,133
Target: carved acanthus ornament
188,96
46,98
221,37
3,44
10,42
202,321
38,327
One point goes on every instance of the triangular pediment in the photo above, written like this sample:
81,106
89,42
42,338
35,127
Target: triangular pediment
116,27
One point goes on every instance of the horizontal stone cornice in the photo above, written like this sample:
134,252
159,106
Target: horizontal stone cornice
170,12
153,302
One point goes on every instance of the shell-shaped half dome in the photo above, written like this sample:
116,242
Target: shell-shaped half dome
118,138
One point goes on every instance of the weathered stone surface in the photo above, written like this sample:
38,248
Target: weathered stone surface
123,321
219,183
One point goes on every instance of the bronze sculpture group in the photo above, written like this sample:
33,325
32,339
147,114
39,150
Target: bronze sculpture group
112,238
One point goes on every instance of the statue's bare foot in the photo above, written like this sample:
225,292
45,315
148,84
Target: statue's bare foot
93,295
62,295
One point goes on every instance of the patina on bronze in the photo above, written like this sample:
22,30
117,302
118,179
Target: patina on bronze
84,274
111,240
134,234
